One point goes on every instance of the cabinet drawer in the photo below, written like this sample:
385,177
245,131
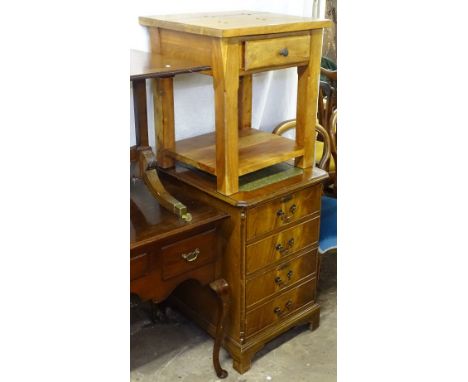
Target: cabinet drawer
188,254
139,266
280,307
276,51
276,247
282,211
281,277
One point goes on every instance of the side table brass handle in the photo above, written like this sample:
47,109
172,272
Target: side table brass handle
279,247
289,304
284,250
287,218
277,311
293,209
284,52
191,256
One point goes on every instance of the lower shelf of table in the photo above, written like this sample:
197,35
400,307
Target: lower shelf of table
257,150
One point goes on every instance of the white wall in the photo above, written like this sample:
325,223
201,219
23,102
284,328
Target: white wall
274,92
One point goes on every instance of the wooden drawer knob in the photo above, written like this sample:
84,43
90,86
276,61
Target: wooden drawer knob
284,52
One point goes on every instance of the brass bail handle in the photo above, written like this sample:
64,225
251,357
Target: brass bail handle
191,256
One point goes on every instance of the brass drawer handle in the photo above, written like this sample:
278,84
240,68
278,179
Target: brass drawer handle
289,304
293,209
278,280
281,214
287,218
284,52
280,248
289,274
284,250
277,311
191,256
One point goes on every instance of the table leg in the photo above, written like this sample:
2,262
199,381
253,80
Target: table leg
244,102
307,92
141,115
163,100
221,288
226,63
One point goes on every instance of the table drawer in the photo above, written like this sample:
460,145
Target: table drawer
280,307
281,277
188,254
139,266
276,51
285,243
282,211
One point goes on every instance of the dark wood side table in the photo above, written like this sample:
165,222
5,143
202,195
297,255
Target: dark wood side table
165,251
270,257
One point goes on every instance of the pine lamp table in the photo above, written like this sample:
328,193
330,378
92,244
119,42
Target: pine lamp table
234,45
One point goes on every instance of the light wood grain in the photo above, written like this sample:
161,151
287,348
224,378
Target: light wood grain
257,149
235,23
245,102
226,63
266,53
148,65
307,93
186,46
155,40
163,98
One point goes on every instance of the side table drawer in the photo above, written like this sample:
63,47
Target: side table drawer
139,266
280,307
281,277
276,247
282,211
188,254
276,51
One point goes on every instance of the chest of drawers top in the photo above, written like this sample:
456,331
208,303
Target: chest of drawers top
248,198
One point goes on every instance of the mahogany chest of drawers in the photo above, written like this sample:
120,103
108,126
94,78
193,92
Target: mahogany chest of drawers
270,258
